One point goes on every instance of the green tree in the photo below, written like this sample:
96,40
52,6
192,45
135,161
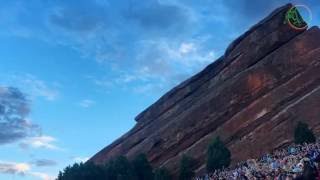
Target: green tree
60,176
122,168
91,171
162,174
142,167
186,168
302,134
110,171
81,171
218,155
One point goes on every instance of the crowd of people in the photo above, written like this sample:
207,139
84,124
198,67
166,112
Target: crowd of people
295,162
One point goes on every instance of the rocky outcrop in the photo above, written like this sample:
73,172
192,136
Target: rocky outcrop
252,97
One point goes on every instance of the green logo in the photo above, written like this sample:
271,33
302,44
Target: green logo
294,19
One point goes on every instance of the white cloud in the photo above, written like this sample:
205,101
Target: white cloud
14,168
169,51
189,55
160,64
86,103
186,48
23,169
32,85
45,142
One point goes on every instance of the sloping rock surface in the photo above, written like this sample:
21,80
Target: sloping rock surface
252,97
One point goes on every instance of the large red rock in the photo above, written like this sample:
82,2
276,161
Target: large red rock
252,97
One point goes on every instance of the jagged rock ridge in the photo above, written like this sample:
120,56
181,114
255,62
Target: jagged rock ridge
252,97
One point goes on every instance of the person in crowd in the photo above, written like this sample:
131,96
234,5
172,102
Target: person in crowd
296,162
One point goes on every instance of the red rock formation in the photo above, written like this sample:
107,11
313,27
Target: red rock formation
252,97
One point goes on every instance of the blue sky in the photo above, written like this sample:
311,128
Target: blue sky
84,69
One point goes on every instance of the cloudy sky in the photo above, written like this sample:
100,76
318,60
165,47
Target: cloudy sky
75,73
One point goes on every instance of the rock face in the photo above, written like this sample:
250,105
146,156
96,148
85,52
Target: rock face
252,97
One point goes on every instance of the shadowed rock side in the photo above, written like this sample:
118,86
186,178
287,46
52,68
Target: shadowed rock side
252,97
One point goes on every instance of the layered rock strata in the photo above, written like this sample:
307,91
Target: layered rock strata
252,97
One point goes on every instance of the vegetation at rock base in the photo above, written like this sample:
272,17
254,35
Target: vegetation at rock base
186,168
218,155
82,171
119,168
302,134
142,168
162,174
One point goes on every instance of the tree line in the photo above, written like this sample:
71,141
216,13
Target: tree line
120,168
